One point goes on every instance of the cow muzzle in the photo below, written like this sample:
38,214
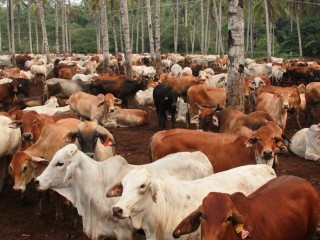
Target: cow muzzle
111,110
285,106
27,137
267,154
117,212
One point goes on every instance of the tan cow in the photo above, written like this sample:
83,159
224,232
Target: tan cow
27,165
95,108
127,118
312,99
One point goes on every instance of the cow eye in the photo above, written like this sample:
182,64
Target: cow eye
24,169
229,219
142,186
59,164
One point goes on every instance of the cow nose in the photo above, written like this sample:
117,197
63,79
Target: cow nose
37,183
267,154
117,212
27,136
285,106
112,110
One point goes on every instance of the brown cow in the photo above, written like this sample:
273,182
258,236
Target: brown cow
228,120
204,96
68,71
180,84
27,165
233,217
224,150
312,97
8,94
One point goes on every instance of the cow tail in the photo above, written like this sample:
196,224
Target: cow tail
187,113
45,93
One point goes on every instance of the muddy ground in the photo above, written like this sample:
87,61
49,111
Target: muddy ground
18,220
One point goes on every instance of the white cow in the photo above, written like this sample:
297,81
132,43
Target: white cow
216,81
142,72
145,97
176,70
10,142
83,77
158,205
181,110
84,183
306,143
50,107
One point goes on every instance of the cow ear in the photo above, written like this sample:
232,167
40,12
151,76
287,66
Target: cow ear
115,191
39,161
15,124
199,106
71,170
154,191
70,137
190,224
251,141
117,101
195,119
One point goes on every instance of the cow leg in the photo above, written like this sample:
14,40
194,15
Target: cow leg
59,214
163,117
297,112
173,119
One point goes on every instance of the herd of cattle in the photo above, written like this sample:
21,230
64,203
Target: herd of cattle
60,140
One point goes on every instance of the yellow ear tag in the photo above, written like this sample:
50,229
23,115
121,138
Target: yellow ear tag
238,227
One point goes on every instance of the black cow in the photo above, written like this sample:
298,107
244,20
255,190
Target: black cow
121,88
23,86
165,99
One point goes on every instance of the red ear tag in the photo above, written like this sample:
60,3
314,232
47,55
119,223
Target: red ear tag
107,143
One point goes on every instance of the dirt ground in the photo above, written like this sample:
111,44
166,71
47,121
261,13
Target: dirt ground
18,220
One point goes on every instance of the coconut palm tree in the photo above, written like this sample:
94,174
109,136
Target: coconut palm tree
11,24
157,38
44,30
126,36
235,93
56,19
114,28
29,25
151,43
105,36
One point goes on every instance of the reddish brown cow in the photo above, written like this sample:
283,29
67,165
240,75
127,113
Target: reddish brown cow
224,150
8,94
296,74
180,84
205,96
228,120
312,96
68,71
234,217
103,77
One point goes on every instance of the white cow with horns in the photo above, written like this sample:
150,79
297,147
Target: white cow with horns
84,182
158,205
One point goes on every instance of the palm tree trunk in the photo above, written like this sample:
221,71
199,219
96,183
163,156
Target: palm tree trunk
1,51
44,30
125,28
63,33
66,29
235,93
56,19
207,30
121,36
37,35
176,26
268,29
248,25
105,36
151,43
186,26
114,28
142,27
157,38
19,18
13,49
29,23
8,26
220,29
201,27
299,35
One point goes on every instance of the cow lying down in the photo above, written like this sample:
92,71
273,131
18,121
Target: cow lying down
157,204
306,143
122,117
84,182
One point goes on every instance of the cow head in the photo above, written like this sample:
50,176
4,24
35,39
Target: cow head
60,170
24,168
111,101
218,217
87,134
208,119
138,190
267,141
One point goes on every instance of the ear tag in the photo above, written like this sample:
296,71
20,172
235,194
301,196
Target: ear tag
107,143
238,228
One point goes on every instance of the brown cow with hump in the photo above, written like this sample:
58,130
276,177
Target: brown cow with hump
285,208
224,150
